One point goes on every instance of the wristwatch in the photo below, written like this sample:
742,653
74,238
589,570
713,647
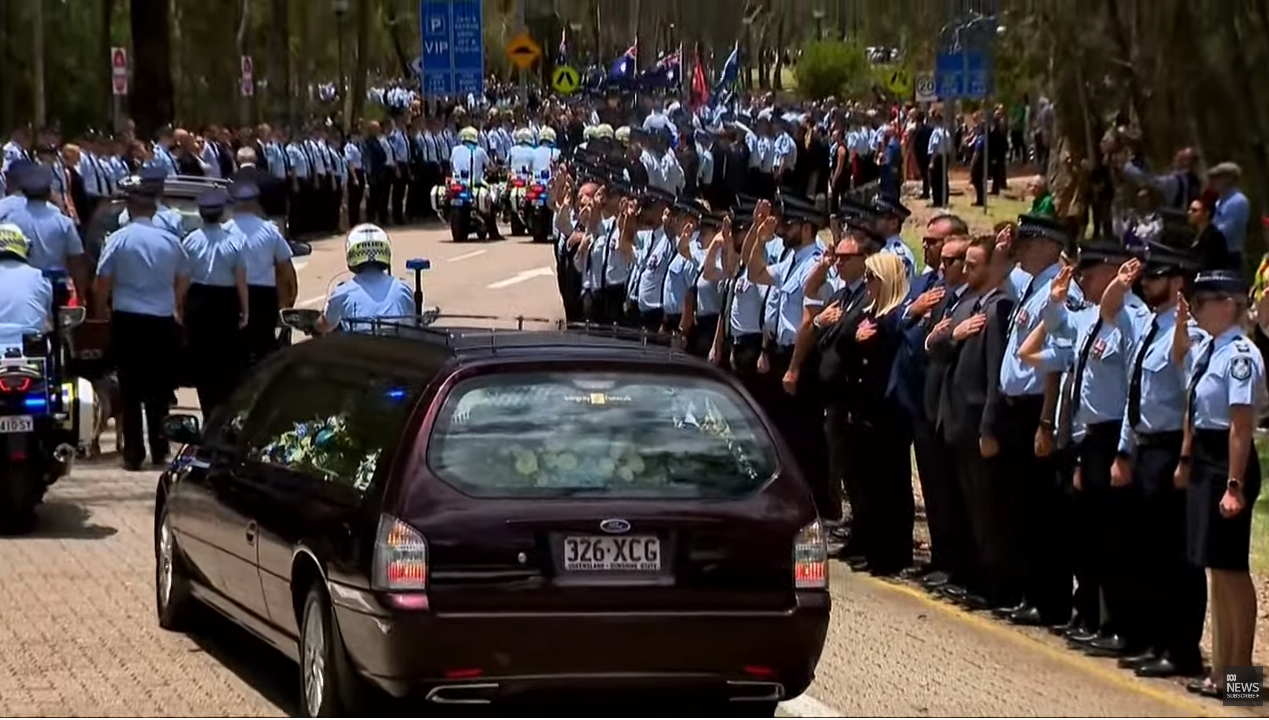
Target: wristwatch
1234,484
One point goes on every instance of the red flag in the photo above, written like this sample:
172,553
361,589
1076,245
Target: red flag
700,87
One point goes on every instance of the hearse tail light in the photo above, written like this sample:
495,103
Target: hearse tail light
15,383
810,558
400,559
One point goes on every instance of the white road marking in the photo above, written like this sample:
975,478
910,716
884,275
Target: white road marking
311,301
805,706
467,256
522,276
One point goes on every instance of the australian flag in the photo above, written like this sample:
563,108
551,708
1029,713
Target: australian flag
623,68
666,73
731,70
561,54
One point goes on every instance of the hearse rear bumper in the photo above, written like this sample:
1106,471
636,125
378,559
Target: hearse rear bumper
500,655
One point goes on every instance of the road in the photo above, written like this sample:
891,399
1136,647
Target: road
79,635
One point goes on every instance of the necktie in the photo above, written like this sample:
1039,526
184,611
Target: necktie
1200,369
1026,295
1134,383
1071,388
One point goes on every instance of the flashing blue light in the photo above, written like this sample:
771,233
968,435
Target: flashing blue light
464,196
396,394
418,264
36,402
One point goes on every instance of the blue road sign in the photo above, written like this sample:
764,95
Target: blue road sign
453,59
962,75
949,76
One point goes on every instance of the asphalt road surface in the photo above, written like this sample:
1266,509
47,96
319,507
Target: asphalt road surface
78,636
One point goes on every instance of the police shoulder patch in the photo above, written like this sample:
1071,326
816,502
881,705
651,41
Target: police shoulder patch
1075,304
1240,367
1242,346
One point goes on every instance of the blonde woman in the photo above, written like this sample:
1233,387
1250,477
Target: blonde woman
878,435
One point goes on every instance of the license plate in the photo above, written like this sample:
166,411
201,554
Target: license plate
16,424
637,553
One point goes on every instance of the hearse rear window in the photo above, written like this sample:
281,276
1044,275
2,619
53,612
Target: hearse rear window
602,434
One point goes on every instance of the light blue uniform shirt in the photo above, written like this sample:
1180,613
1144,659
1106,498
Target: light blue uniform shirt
896,246
26,302
370,294
520,160
940,143
316,151
1103,389
1016,378
52,235
709,299
654,250
681,277
747,306
212,158
91,174
213,255
789,278
400,147
9,203
299,160
784,152
352,155
775,253
163,159
544,158
275,159
705,169
263,247
605,266
144,262
1163,386
1234,376
165,218
1233,211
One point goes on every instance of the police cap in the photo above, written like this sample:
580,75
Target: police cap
1044,228
14,172
853,209
244,191
36,179
213,199
657,195
1164,261
863,230
712,219
684,205
887,207
1103,252
795,209
1220,282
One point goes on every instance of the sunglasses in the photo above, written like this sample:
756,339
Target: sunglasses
869,276
928,241
949,260
842,257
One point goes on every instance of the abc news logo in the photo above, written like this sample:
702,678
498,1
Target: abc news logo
1244,686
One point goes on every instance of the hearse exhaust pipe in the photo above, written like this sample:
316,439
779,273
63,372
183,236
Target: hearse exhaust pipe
468,694
755,691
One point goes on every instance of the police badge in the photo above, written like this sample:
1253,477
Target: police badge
1240,367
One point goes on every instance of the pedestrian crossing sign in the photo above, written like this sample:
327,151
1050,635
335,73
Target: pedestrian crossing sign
565,80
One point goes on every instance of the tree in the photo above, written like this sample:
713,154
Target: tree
151,99
832,68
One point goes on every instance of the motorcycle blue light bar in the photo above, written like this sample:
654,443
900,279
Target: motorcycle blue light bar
36,402
418,264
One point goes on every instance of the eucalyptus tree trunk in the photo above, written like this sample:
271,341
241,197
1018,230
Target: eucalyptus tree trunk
40,110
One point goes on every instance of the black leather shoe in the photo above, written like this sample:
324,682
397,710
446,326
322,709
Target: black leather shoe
916,571
1062,628
1108,646
974,602
936,579
132,465
858,564
1164,667
1132,662
1080,640
1027,617
953,592
1005,611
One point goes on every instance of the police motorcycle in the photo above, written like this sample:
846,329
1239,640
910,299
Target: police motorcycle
45,413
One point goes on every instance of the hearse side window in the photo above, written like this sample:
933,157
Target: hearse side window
332,423
234,413
611,434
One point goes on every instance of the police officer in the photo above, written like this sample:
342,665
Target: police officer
1035,554
54,242
216,305
372,292
271,282
704,302
1219,462
26,296
471,164
655,246
1169,594
164,217
300,208
607,252
684,267
891,215
546,154
140,276
569,200
356,178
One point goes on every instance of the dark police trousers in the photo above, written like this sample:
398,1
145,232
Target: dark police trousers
144,348
800,418
1107,520
260,337
215,343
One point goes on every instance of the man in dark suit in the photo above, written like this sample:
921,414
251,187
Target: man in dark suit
930,299
374,156
969,413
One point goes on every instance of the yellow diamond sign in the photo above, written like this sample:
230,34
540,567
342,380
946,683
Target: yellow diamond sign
523,51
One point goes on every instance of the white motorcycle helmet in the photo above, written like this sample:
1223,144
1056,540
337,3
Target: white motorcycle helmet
546,135
367,243
524,136
14,242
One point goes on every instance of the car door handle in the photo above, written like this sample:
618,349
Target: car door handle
252,529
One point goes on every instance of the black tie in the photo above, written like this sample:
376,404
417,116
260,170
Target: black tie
1026,295
1200,369
1071,388
1134,383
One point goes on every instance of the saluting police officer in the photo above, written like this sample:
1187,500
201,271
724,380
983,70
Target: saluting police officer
1168,593
216,306
140,276
271,282
607,252
1219,463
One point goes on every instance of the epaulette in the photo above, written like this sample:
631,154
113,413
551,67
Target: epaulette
1074,304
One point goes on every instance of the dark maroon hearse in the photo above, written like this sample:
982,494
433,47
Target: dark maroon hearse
466,517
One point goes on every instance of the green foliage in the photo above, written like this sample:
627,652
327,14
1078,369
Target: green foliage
832,67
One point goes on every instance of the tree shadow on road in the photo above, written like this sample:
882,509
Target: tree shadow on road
68,520
255,662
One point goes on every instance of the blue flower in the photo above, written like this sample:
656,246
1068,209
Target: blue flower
324,437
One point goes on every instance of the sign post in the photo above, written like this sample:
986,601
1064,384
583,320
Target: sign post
966,74
118,82
453,58
247,85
